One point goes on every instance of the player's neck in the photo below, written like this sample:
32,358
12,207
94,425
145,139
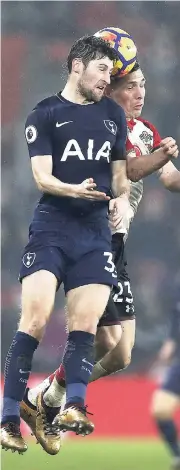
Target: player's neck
70,93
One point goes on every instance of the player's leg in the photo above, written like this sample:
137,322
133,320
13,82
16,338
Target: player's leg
94,274
119,357
85,306
38,294
120,309
165,402
111,353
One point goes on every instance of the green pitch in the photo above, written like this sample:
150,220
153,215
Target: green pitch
92,455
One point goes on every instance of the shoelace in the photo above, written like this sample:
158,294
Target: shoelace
49,428
83,409
13,429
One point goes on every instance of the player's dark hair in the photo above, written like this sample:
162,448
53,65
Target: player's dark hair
89,48
115,81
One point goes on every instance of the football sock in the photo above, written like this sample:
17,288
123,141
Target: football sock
78,363
169,434
16,374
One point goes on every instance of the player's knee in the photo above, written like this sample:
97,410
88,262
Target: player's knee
106,340
34,319
160,408
85,305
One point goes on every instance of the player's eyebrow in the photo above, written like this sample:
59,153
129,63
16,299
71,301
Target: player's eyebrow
103,65
132,82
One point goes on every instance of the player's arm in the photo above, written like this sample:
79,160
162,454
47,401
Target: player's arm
138,168
39,140
47,183
120,184
170,177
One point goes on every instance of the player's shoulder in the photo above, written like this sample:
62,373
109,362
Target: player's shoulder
114,111
47,104
43,111
112,105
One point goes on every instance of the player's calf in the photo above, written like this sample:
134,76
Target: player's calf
119,357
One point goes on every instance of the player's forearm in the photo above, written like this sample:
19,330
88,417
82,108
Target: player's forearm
51,185
138,168
120,186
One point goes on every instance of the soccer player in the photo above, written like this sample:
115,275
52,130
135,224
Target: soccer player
76,141
128,91
166,400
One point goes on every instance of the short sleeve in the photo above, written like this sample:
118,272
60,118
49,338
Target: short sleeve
119,149
156,136
37,133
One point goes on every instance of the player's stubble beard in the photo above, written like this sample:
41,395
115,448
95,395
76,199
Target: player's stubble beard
89,95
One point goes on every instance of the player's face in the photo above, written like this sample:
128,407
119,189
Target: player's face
94,78
130,94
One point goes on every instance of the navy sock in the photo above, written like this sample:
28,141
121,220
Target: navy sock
16,374
169,433
78,361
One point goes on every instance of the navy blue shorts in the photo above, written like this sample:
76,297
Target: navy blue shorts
76,250
171,382
121,305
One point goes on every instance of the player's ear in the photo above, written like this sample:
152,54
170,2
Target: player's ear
77,66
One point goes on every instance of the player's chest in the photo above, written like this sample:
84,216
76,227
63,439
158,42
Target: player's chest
83,132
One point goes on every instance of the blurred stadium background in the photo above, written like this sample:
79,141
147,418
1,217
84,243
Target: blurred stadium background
36,37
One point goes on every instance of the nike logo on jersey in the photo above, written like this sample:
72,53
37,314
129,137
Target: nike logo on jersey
59,124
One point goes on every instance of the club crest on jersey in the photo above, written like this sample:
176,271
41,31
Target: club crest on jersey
28,259
31,134
111,126
147,139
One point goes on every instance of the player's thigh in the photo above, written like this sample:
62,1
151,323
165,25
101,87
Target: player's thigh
85,305
164,404
123,298
38,295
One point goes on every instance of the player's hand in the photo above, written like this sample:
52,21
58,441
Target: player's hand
86,190
119,209
167,351
169,147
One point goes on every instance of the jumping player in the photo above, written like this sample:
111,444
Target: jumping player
76,141
129,92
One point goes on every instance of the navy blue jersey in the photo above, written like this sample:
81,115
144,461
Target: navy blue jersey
83,141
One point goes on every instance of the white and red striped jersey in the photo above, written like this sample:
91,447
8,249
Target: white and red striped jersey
143,138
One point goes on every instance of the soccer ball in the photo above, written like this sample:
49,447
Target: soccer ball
123,43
